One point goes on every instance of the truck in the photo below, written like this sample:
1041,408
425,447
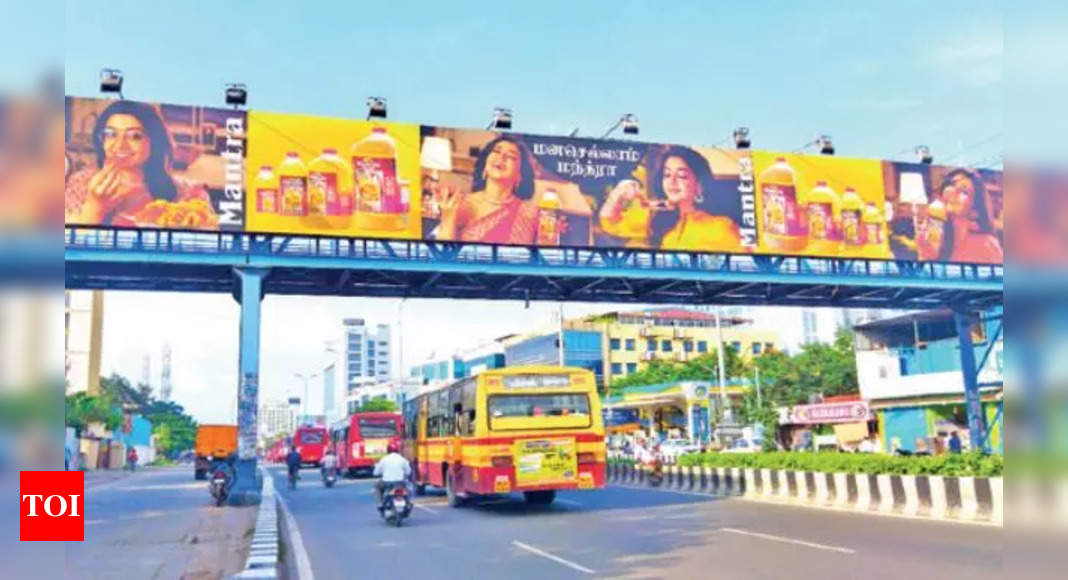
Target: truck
214,442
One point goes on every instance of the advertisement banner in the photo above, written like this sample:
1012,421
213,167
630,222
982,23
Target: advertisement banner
820,206
322,176
133,164
851,412
944,214
510,188
545,461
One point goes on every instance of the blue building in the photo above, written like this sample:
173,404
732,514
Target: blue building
582,348
457,366
908,368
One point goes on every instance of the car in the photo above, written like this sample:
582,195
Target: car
671,449
744,445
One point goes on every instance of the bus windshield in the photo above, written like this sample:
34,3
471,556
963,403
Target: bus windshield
311,437
548,410
375,427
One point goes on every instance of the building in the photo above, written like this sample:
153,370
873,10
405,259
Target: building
630,340
276,418
83,325
437,372
908,368
330,398
364,356
396,390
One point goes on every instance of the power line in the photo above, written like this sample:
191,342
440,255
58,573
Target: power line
974,145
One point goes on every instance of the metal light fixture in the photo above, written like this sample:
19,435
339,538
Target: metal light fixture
111,81
502,119
923,154
376,107
825,144
236,95
741,138
629,122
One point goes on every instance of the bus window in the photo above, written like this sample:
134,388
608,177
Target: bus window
502,406
377,427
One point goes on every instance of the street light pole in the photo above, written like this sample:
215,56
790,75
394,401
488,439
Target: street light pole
722,372
304,401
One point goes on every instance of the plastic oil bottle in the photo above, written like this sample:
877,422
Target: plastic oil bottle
293,185
875,245
852,229
266,187
549,219
783,224
821,208
327,180
374,169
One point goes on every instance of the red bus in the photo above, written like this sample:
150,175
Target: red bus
361,439
311,443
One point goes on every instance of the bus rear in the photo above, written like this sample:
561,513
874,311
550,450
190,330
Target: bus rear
367,440
542,432
311,444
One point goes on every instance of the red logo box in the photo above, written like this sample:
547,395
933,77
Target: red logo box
51,506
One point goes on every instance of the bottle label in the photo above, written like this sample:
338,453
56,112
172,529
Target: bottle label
294,195
376,184
781,215
821,222
851,228
322,193
873,234
267,200
548,228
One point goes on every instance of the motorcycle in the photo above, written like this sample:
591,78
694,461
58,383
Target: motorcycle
656,470
329,476
396,504
219,486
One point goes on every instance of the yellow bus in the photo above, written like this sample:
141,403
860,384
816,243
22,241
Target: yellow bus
533,429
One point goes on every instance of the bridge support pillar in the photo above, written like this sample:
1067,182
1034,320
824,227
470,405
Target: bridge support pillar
249,294
972,403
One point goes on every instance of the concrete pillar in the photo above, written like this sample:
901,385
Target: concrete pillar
972,404
249,294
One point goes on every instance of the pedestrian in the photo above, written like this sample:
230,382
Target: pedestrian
954,443
131,458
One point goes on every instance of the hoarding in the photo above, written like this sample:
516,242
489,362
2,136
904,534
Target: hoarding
316,175
148,165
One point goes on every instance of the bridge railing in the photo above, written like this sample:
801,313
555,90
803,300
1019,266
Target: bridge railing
312,247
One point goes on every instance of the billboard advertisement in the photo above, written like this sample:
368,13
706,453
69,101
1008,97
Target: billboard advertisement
132,164
316,175
510,188
148,165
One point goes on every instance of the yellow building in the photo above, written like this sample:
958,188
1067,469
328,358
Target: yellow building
632,339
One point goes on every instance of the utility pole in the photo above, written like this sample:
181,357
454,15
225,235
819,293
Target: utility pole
724,401
560,333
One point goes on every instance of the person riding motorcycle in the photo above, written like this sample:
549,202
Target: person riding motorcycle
329,463
391,469
293,461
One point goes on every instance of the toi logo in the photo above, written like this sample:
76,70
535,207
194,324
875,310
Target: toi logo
51,506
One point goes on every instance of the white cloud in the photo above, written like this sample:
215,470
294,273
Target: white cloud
976,59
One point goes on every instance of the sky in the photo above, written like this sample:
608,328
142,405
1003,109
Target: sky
879,77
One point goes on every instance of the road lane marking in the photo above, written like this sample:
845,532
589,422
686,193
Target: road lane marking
304,569
549,556
785,540
91,522
424,508
569,502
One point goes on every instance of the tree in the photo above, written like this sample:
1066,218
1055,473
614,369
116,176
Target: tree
83,408
175,431
380,405
702,368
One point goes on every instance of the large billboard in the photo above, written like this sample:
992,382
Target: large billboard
315,175
148,165
165,166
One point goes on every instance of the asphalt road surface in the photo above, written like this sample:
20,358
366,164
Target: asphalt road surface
158,523
623,532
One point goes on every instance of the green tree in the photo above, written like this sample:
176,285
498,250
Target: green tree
380,405
83,409
175,431
702,368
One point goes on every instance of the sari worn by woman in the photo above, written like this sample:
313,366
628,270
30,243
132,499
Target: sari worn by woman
514,222
695,232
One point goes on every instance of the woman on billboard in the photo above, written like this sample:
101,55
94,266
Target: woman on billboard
132,184
500,209
969,230
683,213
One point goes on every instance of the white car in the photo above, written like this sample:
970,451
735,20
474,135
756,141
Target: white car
744,445
671,449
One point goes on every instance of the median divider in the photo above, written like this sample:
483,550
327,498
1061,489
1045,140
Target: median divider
964,499
262,561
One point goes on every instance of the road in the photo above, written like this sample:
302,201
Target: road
158,523
627,533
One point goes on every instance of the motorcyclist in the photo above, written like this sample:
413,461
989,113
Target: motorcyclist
329,463
293,461
391,469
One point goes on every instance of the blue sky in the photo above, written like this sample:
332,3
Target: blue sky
880,77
